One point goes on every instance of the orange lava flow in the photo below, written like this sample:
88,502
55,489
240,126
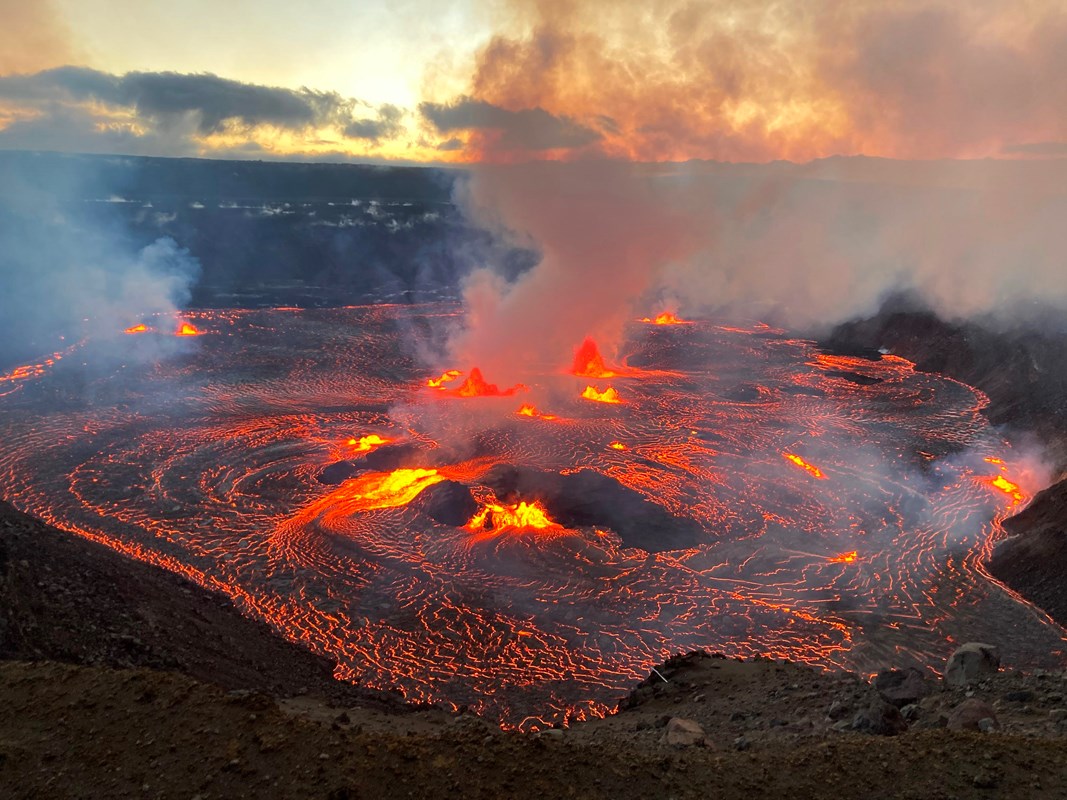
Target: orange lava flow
260,479
477,386
136,328
446,377
811,468
609,395
527,410
1012,490
11,381
588,363
519,516
387,489
666,318
845,558
1002,484
364,444
187,329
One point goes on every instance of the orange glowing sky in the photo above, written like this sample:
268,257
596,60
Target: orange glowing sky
500,80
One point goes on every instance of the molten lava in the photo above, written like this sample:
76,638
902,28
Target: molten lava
588,363
845,558
477,386
811,468
447,377
364,444
666,318
388,489
519,516
527,410
137,328
1002,484
1012,490
609,395
617,446
187,329
522,621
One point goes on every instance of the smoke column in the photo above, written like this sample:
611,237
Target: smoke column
68,267
803,245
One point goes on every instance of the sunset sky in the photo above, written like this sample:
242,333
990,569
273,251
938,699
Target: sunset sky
425,81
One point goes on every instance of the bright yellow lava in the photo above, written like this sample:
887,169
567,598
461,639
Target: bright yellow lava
609,395
521,515
811,468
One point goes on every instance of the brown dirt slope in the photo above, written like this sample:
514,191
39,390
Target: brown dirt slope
87,732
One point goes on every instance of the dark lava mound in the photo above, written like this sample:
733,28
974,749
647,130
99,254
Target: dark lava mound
448,502
384,459
855,377
589,499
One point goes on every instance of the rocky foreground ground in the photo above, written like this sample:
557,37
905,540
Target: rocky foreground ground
121,680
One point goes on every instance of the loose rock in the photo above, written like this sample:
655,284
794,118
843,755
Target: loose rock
880,718
902,687
969,715
970,663
683,732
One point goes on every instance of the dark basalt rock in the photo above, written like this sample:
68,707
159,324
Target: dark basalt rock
590,499
383,459
902,687
394,456
1034,560
854,377
448,502
338,472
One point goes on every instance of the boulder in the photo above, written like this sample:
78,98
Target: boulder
970,716
683,732
879,718
902,687
970,663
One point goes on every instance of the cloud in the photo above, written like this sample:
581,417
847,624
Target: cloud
216,102
525,129
32,37
168,113
804,246
748,80
387,126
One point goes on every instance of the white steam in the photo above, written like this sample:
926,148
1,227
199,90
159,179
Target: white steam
806,245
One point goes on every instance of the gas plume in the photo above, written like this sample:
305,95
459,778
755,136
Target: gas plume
671,80
803,245
68,270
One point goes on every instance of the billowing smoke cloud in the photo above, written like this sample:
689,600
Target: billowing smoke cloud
167,113
67,270
755,81
31,37
602,230
806,245
801,245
